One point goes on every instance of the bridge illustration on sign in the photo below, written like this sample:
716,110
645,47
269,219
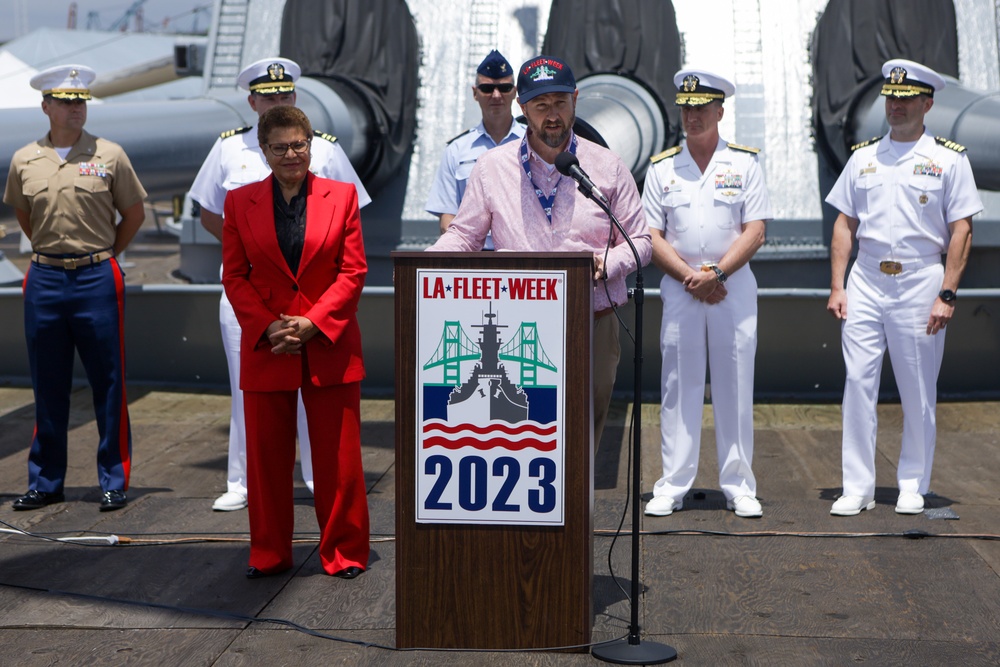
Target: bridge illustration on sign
456,347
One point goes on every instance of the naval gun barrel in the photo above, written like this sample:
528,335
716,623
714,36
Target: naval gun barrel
167,140
967,117
626,115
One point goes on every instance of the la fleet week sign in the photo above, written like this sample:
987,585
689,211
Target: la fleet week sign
490,398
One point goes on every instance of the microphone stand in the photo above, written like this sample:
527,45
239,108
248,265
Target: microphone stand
632,650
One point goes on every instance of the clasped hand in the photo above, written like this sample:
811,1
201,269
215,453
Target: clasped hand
705,286
290,333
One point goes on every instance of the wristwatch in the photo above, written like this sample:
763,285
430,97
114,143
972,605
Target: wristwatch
947,295
721,275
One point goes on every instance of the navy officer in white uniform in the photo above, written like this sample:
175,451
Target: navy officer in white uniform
907,198
494,92
706,203
236,160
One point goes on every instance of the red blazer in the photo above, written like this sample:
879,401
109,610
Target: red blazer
327,288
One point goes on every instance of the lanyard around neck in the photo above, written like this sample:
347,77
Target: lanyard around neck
545,201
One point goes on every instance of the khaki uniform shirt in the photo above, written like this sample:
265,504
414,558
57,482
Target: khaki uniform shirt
73,204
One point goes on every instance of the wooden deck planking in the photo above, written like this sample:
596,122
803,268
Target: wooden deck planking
718,600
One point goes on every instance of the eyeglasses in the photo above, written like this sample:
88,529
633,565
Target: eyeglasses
488,88
280,150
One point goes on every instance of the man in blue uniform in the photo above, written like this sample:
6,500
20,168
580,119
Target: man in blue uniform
67,190
494,92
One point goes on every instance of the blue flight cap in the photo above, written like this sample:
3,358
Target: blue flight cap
495,66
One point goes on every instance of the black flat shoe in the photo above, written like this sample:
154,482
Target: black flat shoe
33,500
254,573
348,572
113,500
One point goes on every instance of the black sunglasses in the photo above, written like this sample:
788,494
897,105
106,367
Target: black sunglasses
488,88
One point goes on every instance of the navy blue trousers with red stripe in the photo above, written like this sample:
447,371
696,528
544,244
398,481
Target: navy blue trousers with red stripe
80,310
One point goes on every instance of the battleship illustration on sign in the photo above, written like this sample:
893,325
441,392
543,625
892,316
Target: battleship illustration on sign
488,394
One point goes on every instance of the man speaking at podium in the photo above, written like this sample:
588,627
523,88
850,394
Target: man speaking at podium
545,214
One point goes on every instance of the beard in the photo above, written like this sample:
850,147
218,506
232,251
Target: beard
555,138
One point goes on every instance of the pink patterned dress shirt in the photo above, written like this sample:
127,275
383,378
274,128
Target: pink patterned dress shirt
500,199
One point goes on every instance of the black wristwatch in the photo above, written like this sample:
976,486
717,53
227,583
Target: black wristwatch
721,275
947,295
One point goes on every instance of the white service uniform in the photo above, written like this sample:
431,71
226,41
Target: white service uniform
236,160
459,158
903,196
702,215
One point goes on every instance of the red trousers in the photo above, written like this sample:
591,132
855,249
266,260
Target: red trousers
334,416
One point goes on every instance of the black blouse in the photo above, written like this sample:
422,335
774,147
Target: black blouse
290,223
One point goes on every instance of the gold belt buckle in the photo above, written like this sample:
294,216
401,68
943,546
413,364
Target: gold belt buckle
69,263
890,267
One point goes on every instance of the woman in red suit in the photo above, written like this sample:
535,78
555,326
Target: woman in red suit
293,268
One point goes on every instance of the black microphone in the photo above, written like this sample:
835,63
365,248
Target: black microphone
568,165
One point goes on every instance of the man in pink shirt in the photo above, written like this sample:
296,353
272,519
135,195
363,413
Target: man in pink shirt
545,213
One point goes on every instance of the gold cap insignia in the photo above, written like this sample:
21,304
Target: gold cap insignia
276,71
897,75
691,83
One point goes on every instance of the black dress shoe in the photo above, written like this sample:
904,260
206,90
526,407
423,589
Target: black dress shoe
113,500
33,500
348,572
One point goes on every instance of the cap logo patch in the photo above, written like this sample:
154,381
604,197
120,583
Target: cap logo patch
691,83
276,71
543,73
897,75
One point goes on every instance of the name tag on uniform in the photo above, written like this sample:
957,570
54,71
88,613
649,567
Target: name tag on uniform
93,169
927,169
867,170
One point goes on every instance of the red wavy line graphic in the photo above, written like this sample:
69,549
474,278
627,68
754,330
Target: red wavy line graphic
492,443
493,428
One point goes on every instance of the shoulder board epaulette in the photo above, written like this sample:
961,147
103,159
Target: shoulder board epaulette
323,135
458,136
670,152
233,133
873,140
745,149
948,143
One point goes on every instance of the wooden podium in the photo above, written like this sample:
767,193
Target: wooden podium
465,576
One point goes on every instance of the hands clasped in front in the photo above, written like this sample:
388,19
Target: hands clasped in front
705,286
290,333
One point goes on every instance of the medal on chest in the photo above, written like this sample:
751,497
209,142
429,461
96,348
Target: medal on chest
93,169
728,180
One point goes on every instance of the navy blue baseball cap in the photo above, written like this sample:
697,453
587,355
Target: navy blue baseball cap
544,74
495,66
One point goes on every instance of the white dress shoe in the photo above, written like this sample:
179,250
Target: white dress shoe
229,502
745,506
851,505
909,503
662,506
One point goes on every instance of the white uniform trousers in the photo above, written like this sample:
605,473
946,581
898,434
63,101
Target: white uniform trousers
237,481
724,335
890,311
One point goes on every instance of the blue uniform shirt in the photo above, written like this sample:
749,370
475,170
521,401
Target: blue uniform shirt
456,164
